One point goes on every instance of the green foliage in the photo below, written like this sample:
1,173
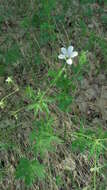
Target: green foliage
43,19
101,43
87,1
42,138
2,70
82,59
104,19
46,9
88,12
47,33
38,60
26,22
30,93
95,142
83,27
103,48
87,139
64,83
64,101
4,146
39,103
12,55
37,21
59,181
28,170
9,57
79,69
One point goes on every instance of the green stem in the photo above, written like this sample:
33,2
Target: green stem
15,112
17,89
95,165
53,82
82,135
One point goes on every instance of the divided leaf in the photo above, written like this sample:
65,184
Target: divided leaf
29,170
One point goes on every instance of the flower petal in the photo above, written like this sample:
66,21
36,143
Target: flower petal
69,61
61,56
70,49
64,51
74,54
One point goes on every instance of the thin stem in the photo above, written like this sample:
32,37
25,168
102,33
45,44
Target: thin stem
15,112
17,89
53,82
66,33
95,166
82,135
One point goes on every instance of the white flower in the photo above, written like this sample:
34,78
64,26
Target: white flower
68,54
9,80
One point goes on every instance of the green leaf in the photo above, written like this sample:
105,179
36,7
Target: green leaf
29,170
64,83
104,19
33,106
64,101
30,93
38,169
83,58
23,168
80,145
26,22
36,21
43,137
12,55
32,136
2,70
